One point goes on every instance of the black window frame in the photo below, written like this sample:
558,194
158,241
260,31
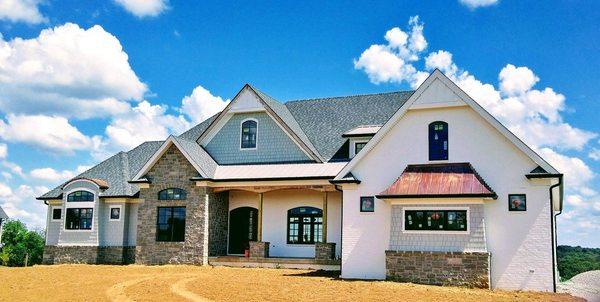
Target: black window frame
85,223
80,196
172,233
359,143
172,194
110,214
511,209
447,226
297,220
54,213
364,199
251,141
435,153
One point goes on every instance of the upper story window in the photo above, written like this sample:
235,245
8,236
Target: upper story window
80,196
359,146
172,194
305,225
249,129
438,141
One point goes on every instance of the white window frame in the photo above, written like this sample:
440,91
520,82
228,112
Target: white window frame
80,205
241,123
120,207
430,208
353,143
52,208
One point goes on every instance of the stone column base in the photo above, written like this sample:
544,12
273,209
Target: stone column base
259,249
324,251
88,254
469,269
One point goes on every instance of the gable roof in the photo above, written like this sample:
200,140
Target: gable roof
437,75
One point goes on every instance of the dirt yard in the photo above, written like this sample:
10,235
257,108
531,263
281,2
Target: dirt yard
193,283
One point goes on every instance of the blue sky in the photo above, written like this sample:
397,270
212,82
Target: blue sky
80,80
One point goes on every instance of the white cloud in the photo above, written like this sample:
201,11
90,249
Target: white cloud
3,151
473,4
46,132
392,62
5,191
594,154
54,176
131,129
577,173
14,168
201,104
516,80
144,8
21,204
21,11
67,71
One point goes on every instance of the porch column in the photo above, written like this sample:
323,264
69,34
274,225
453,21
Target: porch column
260,217
325,216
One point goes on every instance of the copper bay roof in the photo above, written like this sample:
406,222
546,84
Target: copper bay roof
438,180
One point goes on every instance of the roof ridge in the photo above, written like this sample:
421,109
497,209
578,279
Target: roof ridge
347,96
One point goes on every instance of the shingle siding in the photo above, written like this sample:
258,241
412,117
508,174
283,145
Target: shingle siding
474,241
272,145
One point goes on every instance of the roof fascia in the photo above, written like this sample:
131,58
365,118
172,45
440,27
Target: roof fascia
438,75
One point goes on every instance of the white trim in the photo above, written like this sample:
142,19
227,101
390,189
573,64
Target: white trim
161,151
255,139
431,208
52,213
120,207
438,75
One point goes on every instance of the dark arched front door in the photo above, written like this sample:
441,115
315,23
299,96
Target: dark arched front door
243,223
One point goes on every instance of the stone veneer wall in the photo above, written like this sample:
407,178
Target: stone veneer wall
218,216
172,171
88,254
439,268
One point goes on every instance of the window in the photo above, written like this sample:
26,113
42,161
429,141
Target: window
517,202
367,204
79,219
359,146
172,194
56,214
80,196
305,225
115,213
170,224
435,220
249,134
438,141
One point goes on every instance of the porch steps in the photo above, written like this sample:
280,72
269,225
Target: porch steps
276,262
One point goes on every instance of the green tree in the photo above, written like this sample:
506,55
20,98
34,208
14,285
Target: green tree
19,243
573,260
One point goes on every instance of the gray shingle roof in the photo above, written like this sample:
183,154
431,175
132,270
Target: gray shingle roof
319,123
3,214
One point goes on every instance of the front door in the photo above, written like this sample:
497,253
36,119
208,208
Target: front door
243,223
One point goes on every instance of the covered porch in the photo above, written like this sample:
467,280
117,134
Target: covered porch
288,223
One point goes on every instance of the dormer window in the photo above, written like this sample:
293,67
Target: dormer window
248,135
438,141
359,146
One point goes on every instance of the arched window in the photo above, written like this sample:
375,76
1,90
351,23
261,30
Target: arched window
438,141
248,136
172,194
305,225
80,196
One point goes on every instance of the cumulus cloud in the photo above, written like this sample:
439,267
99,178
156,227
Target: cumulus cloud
51,133
201,104
54,176
21,11
67,71
473,4
144,8
392,62
20,204
3,151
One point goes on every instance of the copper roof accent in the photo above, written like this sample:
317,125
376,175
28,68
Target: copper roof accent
438,180
103,184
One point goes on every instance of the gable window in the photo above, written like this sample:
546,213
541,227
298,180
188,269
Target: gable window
78,196
248,136
56,213
305,225
79,219
172,194
438,141
170,224
435,220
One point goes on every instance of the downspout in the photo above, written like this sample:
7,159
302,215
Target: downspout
553,224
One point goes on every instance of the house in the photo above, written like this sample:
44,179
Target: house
422,186
3,219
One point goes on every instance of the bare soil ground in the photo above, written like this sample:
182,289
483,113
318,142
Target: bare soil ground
194,283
